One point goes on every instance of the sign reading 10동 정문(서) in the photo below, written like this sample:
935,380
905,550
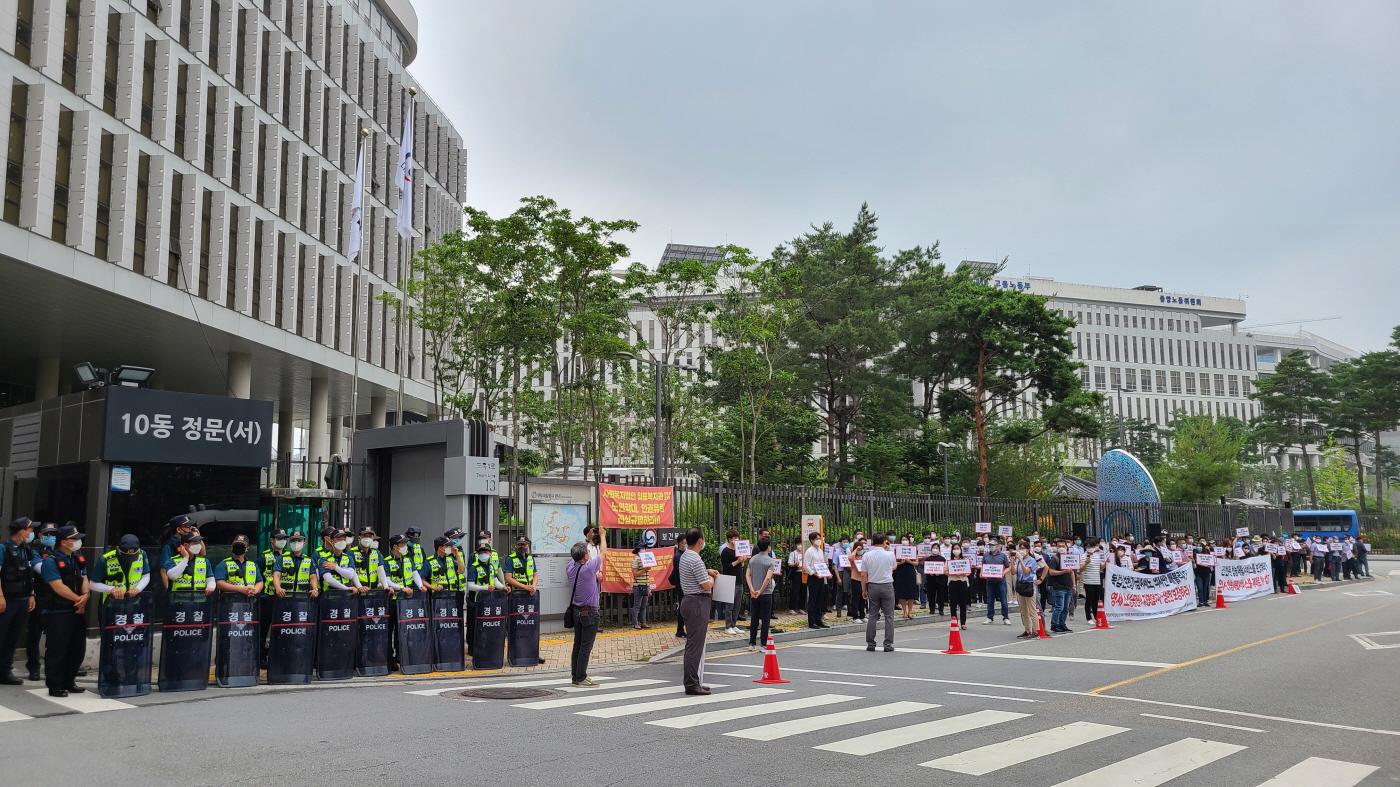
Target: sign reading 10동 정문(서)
144,425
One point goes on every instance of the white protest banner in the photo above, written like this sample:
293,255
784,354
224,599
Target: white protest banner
976,559
1004,531
935,567
925,550
843,560
945,551
1218,551
1205,559
902,552
648,558
724,588
743,548
1071,562
823,571
1242,532
993,571
959,567
1335,547
1244,579
860,564
1134,596
1153,563
982,527
828,551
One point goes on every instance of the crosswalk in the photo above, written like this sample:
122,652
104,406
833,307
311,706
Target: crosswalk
39,703
1020,737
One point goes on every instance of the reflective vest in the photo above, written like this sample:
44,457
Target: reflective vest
346,560
112,574
522,568
443,571
17,573
243,574
400,570
196,576
367,562
414,553
297,573
271,561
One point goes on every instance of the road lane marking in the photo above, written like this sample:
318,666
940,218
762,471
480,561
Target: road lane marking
994,697
1018,656
1319,772
624,684
509,685
82,703
1158,766
727,674
630,709
843,683
994,757
1198,721
12,715
596,696
1366,642
730,714
876,742
1229,651
783,729
1365,593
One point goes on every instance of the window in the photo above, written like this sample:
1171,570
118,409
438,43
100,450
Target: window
148,86
1115,377
1234,385
1220,385
1191,383
143,193
206,224
1098,318
1161,381
1176,382
256,283
215,16
1132,379
1244,382
109,79
70,45
24,31
1099,381
211,123
184,23
63,172
236,157
104,195
1115,321
1135,321
14,152
172,271
1098,347
181,97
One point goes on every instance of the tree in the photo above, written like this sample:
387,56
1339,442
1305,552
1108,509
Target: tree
1290,403
1204,461
1367,405
1336,486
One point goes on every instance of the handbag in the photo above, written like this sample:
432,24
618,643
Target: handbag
569,611
1026,589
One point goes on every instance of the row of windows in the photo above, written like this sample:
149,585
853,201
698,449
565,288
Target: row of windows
1115,378
1120,317
1161,350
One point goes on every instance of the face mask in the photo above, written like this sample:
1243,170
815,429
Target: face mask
280,543
367,543
456,542
341,544
1021,552
239,549
77,545
992,547
29,538
483,556
957,552
1077,542
48,541
1037,550
298,546
195,549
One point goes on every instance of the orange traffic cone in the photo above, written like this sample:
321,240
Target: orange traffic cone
1293,589
955,647
770,665
1220,599
1101,620
1039,614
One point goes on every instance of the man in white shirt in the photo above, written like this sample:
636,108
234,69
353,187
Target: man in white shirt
879,590
813,562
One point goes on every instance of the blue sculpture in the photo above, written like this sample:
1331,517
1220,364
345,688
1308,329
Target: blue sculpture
1128,497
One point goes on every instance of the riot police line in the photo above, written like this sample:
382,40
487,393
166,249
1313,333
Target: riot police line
330,613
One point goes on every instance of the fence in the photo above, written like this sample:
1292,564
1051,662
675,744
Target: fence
1383,531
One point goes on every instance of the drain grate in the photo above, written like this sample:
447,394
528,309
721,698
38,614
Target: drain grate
506,694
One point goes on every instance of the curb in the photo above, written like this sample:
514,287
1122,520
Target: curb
779,638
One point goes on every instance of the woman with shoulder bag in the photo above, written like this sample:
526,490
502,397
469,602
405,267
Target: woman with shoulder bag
1027,578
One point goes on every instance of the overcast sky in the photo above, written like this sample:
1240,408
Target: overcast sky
1229,149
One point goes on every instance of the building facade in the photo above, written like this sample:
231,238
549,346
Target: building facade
178,191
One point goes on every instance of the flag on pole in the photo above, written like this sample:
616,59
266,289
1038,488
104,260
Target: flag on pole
357,209
406,175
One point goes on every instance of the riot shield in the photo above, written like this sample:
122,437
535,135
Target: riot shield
447,631
415,639
185,642
489,638
236,657
523,629
124,663
372,658
292,647
336,635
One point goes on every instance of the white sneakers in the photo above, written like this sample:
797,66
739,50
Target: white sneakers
1006,621
731,630
987,622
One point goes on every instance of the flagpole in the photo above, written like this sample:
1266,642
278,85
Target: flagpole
357,229
405,226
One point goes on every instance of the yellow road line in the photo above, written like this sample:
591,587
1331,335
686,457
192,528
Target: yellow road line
1236,649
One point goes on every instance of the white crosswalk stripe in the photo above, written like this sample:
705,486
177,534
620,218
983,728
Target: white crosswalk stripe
623,685
507,685
761,709
885,740
783,729
682,702
1158,766
11,715
1319,772
82,703
600,696
985,760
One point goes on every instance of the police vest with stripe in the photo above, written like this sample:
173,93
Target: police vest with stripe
522,567
71,572
243,574
443,571
367,562
400,570
271,561
346,560
17,573
196,576
297,573
112,572
414,552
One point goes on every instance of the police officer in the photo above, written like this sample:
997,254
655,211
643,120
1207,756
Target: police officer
17,561
271,562
297,573
178,527
483,576
520,569
236,573
66,576
402,578
121,572
44,545
337,567
414,550
446,571
188,568
369,563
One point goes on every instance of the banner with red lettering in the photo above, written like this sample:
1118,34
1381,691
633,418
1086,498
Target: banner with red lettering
1129,595
645,508
1238,580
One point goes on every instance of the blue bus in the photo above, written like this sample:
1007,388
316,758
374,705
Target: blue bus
1307,524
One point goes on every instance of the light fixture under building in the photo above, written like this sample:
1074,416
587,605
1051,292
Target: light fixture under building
132,376
90,376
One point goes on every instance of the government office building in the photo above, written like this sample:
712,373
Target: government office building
178,190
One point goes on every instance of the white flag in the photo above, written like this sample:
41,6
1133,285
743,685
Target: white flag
406,175
357,209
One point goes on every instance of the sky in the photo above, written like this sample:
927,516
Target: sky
1230,149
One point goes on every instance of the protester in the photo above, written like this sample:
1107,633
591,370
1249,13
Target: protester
858,579
995,588
936,585
641,588
1061,582
1029,573
906,582
730,565
813,565
675,577
879,568
959,587
696,582
759,580
586,581
1363,553
1092,577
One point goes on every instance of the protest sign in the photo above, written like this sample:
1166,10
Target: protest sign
993,571
1133,596
982,527
1071,562
648,558
742,548
1004,531
959,567
1239,580
935,568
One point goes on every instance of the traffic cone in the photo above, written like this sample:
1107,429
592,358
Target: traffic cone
955,647
770,665
1293,589
1101,620
1042,634
1220,600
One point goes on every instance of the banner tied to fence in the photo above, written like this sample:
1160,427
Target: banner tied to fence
647,508
1129,595
1238,580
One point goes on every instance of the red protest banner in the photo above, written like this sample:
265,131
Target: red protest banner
634,508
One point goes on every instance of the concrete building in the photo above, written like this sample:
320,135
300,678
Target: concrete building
178,192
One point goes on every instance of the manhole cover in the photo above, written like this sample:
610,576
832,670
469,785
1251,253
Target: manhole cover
505,694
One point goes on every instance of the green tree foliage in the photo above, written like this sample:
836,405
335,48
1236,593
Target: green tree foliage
1204,461
1290,403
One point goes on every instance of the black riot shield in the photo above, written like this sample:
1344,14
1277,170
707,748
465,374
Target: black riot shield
185,642
446,606
523,629
124,664
372,658
489,636
415,639
236,634
292,643
335,637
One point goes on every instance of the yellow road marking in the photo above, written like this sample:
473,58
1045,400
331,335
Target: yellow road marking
1236,649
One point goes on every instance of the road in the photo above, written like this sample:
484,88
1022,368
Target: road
1287,691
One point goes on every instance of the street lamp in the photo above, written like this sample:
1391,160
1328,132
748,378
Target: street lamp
657,471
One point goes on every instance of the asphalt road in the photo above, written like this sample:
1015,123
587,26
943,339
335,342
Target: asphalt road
1286,688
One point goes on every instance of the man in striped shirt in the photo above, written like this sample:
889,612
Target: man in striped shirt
696,583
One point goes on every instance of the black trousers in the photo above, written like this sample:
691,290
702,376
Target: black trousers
937,592
816,600
11,621
760,611
1093,594
959,594
585,631
264,625
32,653
67,642
858,602
797,592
